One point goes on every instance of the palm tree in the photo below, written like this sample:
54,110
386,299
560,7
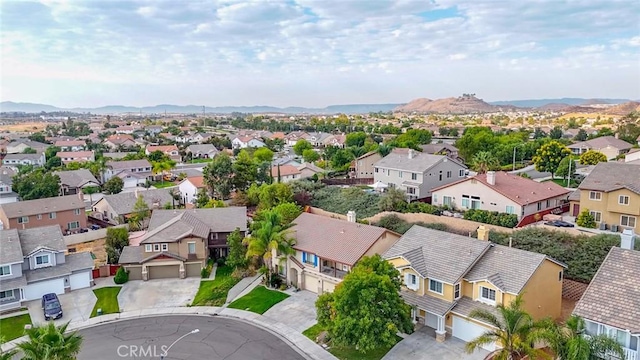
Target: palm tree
484,161
49,342
270,240
514,330
160,167
569,343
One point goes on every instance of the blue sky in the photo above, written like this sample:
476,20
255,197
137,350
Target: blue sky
315,52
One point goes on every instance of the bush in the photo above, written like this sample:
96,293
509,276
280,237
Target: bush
435,226
492,217
394,223
205,272
275,281
122,276
585,219
221,261
420,207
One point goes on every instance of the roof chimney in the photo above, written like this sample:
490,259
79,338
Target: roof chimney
491,177
411,154
627,239
351,216
483,233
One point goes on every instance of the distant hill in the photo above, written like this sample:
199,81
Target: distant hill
465,104
538,103
623,109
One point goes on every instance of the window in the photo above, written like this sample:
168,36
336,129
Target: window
629,221
52,215
147,248
308,258
595,195
487,294
597,215
73,225
414,176
5,270
165,247
623,200
461,173
411,190
548,203
411,281
42,259
400,174
76,211
192,247
376,169
539,205
475,202
465,201
435,286
510,209
446,200
440,176
39,216
434,199
156,247
7,295
560,275
448,174
23,219
456,291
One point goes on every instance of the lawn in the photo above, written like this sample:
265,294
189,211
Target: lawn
13,327
259,300
214,292
107,300
348,352
200,161
162,185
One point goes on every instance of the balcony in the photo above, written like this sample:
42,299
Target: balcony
329,268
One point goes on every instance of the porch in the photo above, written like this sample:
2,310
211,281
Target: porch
332,268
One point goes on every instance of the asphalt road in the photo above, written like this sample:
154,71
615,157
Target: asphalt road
218,338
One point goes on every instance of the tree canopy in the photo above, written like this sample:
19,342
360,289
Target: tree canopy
36,184
218,175
113,185
549,155
592,157
300,146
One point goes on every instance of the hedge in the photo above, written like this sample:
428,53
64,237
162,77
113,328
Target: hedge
492,217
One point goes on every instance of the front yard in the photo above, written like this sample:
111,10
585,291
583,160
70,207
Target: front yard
259,300
214,292
13,327
163,184
107,300
348,352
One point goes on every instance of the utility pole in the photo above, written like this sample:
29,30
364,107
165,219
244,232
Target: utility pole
514,157
569,175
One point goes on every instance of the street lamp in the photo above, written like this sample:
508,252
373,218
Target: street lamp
514,156
195,331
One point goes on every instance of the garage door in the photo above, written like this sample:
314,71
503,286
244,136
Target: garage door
467,331
310,283
164,272
135,272
431,320
36,290
80,280
327,286
193,270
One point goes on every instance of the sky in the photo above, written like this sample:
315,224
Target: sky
315,53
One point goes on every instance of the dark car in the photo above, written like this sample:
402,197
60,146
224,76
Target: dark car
51,307
559,223
95,227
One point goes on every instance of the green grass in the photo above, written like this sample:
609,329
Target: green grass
162,185
259,300
198,161
13,327
107,300
349,352
214,292
563,182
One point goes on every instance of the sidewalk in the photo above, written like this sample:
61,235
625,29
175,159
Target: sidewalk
305,346
243,287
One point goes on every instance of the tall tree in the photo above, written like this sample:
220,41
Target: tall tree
218,176
592,157
484,161
355,139
263,154
549,155
116,240
366,310
310,155
300,146
237,256
244,171
50,342
569,343
565,166
556,133
36,184
113,185
393,200
140,214
581,135
202,198
270,241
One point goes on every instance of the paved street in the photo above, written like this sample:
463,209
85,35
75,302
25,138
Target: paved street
422,345
218,338
298,311
138,294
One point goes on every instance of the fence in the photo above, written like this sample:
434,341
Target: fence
573,290
351,181
105,271
533,218
88,236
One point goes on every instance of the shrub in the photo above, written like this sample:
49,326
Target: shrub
420,207
275,281
435,226
221,261
205,272
585,219
122,276
394,223
492,217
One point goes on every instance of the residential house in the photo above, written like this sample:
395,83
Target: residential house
170,150
189,188
308,170
127,129
318,139
133,173
501,192
68,212
7,195
119,141
13,160
200,138
243,142
293,137
154,129
19,145
442,149
364,165
286,160
632,155
72,182
611,193
611,304
285,173
446,276
76,156
204,151
33,263
336,141
117,208
611,146
117,155
417,173
71,145
327,249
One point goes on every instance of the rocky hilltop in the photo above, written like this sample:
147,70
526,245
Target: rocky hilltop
465,104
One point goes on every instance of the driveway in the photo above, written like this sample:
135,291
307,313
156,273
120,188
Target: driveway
76,306
422,345
298,311
138,294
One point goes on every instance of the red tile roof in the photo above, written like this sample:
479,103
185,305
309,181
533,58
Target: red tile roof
284,170
197,181
163,148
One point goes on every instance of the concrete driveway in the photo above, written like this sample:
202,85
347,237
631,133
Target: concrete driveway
138,294
298,311
422,345
76,306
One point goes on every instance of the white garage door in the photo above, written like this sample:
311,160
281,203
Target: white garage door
467,331
80,280
311,283
36,290
431,320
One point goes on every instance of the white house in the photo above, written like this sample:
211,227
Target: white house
7,195
13,160
190,187
243,142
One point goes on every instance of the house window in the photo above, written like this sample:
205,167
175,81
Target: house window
165,247
414,176
5,270
539,205
465,201
23,219
52,215
623,200
156,247
434,199
448,174
461,173
629,221
440,176
597,215
475,202
400,174
7,295
411,281
39,216
411,190
192,247
510,209
435,286
560,275
76,211
147,248
548,203
446,200
595,195
487,294
376,169
456,291
42,259
73,225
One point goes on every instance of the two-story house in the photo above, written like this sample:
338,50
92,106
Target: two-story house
117,208
76,156
611,304
33,263
327,249
501,192
179,242
7,195
204,151
442,149
71,145
285,173
611,146
243,142
119,141
611,193
417,173
132,172
364,165
293,137
73,181
446,276
170,150
67,212
13,160
189,188
19,145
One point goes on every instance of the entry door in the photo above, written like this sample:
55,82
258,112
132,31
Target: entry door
576,209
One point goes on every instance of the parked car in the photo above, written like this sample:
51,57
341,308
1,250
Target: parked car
95,227
559,223
51,307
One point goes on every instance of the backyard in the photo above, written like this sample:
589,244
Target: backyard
214,292
348,352
13,327
107,300
259,300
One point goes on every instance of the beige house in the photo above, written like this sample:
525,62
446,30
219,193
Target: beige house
611,146
364,164
327,249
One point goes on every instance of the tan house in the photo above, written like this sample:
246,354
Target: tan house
170,150
327,249
116,141
364,165
76,156
66,211
611,146
446,276
285,173
611,193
